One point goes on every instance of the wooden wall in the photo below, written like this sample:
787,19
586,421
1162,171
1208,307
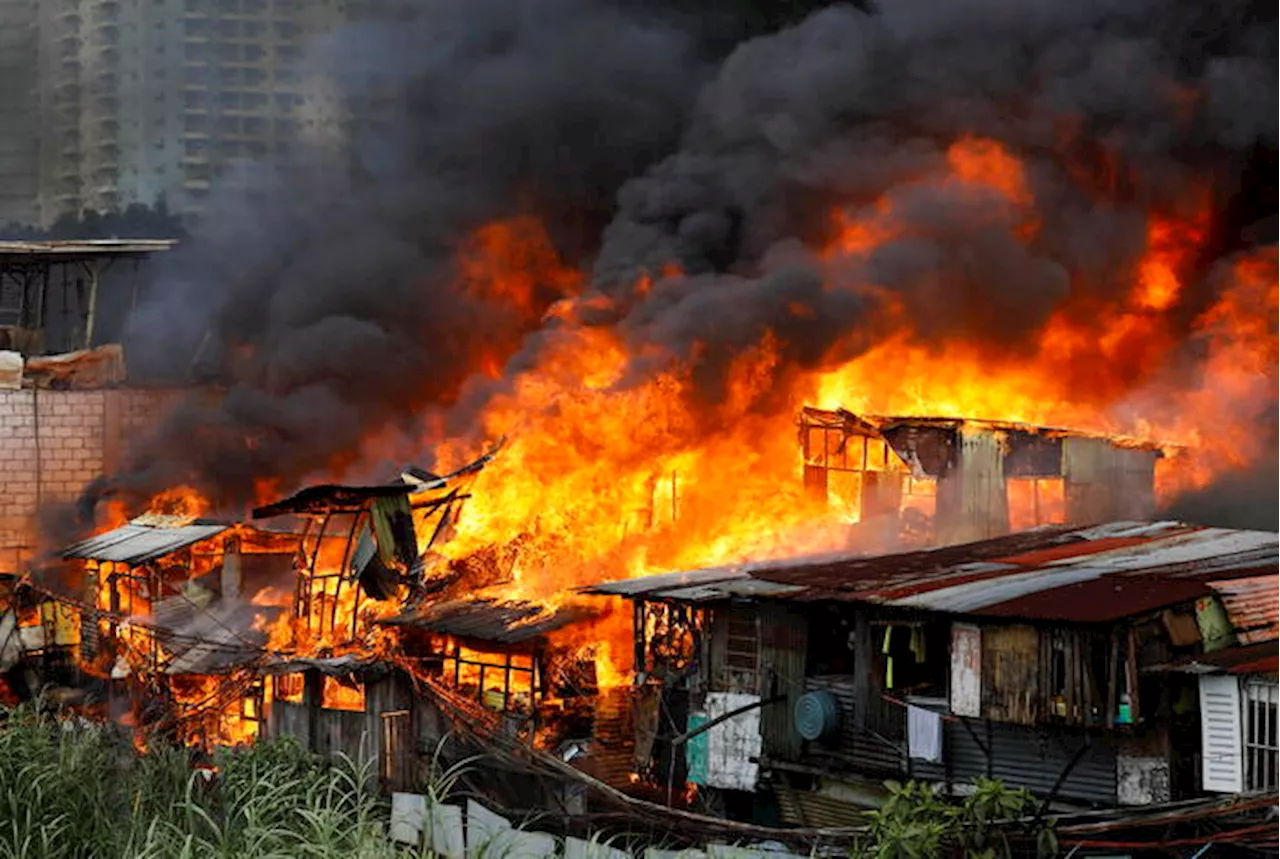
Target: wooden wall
1011,674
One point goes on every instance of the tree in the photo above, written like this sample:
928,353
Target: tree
916,822
135,222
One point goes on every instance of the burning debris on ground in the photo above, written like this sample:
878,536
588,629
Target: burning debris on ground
1015,302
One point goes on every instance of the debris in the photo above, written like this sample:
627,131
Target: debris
83,369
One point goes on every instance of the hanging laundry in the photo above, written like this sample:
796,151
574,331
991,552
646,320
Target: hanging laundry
917,644
924,734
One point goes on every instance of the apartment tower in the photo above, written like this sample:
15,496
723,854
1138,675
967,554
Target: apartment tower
140,100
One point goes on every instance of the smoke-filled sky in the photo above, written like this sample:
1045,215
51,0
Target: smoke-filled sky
707,147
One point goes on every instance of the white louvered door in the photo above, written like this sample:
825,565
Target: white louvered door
1220,740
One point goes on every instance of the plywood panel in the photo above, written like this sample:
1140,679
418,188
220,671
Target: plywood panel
1011,674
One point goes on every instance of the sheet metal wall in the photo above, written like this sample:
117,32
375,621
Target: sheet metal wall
857,751
1107,483
783,639
1026,757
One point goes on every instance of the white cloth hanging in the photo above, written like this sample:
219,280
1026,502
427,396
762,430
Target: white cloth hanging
924,734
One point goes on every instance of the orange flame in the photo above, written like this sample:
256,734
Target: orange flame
602,482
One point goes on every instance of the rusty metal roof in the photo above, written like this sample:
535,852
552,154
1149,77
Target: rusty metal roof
1085,575
136,543
1253,605
491,620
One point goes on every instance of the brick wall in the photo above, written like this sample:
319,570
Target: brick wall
53,443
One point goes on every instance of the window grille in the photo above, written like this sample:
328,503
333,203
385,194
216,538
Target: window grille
1260,741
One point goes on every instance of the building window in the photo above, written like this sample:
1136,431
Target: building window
860,475
736,651
342,693
1260,741
289,688
1035,501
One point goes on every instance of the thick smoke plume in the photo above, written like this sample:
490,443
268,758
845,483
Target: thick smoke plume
333,290
697,197
853,108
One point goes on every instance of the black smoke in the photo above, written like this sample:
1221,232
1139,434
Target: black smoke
848,107
1240,498
324,286
625,130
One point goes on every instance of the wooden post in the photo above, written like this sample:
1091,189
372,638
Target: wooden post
863,662
1113,655
91,312
1131,673
313,699
638,632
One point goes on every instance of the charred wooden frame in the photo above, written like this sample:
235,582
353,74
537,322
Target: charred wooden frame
668,637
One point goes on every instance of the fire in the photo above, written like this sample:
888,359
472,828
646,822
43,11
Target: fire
604,479
337,695
181,501
614,471
216,711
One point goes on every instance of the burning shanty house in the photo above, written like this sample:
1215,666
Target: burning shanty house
442,645
160,612
951,480
1116,664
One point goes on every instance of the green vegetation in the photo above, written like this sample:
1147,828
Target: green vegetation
79,791
916,822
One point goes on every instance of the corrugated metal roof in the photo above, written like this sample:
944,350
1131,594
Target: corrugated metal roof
135,544
1261,658
1086,575
740,588
217,639
489,620
78,248
1253,604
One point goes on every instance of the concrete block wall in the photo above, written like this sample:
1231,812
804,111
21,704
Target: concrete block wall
423,822
54,443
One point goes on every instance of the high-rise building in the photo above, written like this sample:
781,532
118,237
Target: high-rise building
18,125
147,99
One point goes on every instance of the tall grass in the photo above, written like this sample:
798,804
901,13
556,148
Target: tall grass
79,791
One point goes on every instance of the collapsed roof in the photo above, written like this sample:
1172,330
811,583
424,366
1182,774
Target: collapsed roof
501,622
